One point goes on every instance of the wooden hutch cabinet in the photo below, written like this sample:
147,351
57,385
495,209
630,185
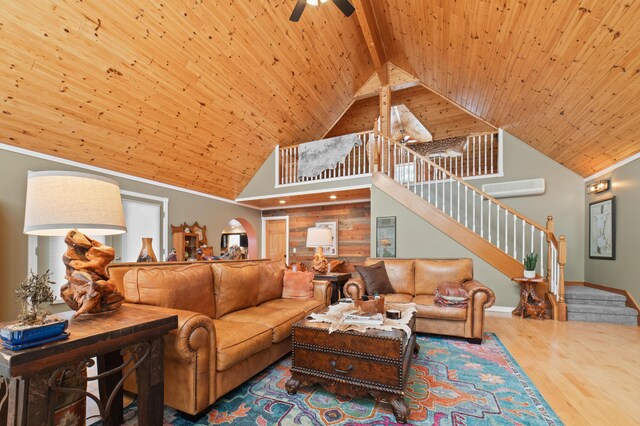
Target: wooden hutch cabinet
188,238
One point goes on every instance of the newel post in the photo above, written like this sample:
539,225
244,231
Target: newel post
562,260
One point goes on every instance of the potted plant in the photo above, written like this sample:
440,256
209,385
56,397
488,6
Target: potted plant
530,261
35,326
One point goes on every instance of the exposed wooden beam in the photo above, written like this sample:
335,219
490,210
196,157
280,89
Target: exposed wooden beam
369,27
385,110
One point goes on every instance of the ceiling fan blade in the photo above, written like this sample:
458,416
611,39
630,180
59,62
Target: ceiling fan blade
345,6
297,11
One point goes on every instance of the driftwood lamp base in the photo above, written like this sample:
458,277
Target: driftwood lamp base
88,288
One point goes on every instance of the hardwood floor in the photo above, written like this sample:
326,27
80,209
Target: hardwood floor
587,372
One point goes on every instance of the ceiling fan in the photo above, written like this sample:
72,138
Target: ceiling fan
344,5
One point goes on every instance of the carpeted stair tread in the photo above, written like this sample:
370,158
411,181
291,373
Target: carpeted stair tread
580,293
597,309
603,318
598,313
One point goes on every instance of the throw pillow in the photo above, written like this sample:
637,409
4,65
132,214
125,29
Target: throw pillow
452,289
297,285
451,294
375,278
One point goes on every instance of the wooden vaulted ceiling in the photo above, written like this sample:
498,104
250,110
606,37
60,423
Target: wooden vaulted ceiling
196,94
563,76
190,93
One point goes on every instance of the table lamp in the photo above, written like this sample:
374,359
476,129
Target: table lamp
318,237
72,203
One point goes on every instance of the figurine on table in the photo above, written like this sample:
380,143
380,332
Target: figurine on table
173,256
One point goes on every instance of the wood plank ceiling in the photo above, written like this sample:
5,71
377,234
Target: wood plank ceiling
441,117
197,93
563,76
194,94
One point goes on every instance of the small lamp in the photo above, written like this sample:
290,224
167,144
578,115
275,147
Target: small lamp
318,237
72,203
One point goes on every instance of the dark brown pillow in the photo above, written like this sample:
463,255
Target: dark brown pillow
375,278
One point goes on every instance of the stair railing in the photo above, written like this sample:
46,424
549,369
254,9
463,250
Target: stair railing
497,223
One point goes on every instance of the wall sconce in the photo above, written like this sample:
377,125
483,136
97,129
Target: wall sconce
599,186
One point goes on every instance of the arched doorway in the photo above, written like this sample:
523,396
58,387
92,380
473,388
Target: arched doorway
239,231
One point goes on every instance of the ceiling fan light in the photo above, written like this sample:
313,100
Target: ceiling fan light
313,2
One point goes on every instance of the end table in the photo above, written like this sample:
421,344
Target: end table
530,304
337,280
32,376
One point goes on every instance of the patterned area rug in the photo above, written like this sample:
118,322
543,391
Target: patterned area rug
451,382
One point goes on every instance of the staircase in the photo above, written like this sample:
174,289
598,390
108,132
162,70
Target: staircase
594,305
490,229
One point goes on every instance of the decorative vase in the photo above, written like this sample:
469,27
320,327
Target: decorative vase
529,274
146,253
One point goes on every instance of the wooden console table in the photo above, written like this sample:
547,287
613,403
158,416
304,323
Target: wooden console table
32,377
530,304
337,280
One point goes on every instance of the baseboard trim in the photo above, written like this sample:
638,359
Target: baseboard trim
507,309
631,303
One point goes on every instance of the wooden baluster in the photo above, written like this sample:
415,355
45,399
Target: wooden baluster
295,165
541,256
550,229
497,225
515,237
489,221
469,142
278,164
473,156
450,194
492,169
485,154
466,210
523,238
458,196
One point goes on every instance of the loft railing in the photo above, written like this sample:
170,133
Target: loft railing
357,163
480,156
500,225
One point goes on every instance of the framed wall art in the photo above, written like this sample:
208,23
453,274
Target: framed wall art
386,236
331,250
602,229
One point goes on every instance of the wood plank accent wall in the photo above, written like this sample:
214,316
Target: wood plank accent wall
354,229
441,117
563,76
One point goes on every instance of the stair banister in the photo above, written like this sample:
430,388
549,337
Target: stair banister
556,249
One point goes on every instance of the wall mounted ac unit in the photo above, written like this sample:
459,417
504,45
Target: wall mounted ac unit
518,188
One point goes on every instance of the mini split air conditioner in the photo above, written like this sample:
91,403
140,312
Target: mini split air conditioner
518,188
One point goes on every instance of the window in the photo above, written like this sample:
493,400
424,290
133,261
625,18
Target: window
145,216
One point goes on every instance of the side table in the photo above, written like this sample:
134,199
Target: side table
33,376
337,280
530,304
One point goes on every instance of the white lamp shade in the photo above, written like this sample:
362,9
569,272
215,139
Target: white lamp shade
58,201
319,237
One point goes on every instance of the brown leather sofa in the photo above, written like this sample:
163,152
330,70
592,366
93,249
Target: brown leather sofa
416,280
232,322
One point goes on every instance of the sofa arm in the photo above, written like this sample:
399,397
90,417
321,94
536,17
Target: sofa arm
354,288
480,298
479,294
190,352
322,291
